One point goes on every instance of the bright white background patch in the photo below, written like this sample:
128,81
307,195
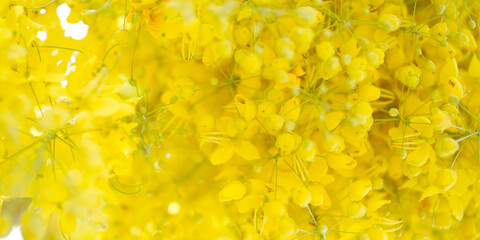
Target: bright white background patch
42,35
77,30
16,234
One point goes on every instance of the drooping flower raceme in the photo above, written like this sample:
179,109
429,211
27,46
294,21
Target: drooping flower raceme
230,119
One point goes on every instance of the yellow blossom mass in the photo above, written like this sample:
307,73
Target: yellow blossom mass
240,119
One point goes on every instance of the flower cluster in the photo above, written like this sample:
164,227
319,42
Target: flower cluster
230,119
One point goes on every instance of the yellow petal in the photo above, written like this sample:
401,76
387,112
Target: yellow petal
356,210
333,119
456,206
250,202
317,169
446,178
375,204
222,155
419,156
247,150
358,189
318,193
369,93
286,227
274,209
377,233
421,125
68,223
301,196
474,68
246,107
340,161
430,191
446,147
443,220
449,70
291,109
5,226
108,106
233,191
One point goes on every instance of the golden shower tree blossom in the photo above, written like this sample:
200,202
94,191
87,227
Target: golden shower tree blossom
232,119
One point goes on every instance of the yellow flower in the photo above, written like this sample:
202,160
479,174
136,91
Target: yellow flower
201,119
